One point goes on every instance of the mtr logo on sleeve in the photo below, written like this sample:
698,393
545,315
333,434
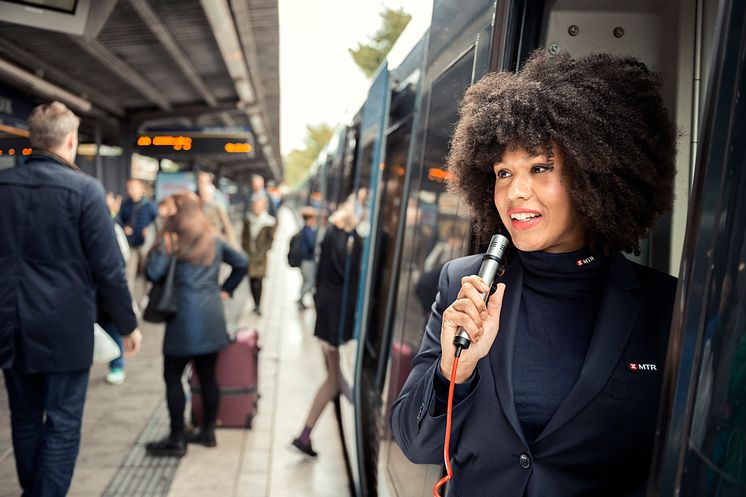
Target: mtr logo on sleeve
637,367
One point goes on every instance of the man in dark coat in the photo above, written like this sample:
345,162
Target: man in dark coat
57,248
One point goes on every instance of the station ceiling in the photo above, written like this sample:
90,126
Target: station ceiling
167,64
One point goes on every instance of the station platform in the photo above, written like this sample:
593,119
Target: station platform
120,420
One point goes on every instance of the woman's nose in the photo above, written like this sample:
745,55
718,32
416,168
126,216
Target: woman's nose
520,188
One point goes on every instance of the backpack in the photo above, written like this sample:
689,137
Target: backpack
295,252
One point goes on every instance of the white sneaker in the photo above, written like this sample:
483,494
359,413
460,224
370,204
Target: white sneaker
116,377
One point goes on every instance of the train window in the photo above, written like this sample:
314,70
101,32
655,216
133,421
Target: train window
704,452
434,234
435,225
392,189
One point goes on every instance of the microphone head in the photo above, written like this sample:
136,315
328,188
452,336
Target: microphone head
497,247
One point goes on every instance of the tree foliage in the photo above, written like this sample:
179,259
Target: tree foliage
299,160
369,56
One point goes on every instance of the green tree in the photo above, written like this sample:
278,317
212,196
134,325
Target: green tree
299,160
369,56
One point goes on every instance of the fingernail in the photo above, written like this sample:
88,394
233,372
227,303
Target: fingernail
484,315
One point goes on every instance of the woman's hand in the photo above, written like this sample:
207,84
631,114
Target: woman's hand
481,321
225,295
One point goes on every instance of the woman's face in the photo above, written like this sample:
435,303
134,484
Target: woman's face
534,204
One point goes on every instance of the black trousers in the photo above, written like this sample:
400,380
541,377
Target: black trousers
256,290
173,369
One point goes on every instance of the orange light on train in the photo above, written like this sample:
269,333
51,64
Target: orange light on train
1,151
144,141
26,151
437,174
12,151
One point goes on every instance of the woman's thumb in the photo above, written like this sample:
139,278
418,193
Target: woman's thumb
495,303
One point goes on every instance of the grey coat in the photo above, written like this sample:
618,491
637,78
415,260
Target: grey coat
199,325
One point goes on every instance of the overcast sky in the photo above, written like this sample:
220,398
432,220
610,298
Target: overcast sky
319,82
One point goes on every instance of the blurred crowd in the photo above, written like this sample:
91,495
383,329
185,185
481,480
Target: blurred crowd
77,259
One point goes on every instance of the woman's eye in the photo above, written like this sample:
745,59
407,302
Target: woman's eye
540,169
502,173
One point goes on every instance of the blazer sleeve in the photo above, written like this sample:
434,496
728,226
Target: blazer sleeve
105,259
418,427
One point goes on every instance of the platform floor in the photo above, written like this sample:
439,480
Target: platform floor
256,462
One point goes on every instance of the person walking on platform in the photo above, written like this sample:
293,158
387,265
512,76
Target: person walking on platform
335,303
116,374
198,331
308,253
214,209
257,191
57,248
135,216
256,239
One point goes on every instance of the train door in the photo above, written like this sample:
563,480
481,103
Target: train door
702,449
377,298
359,273
435,229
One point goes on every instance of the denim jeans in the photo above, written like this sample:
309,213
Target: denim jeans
46,411
113,332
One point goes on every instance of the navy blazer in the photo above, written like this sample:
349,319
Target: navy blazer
599,441
57,245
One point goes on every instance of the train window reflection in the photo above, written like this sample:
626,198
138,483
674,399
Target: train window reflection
434,234
716,456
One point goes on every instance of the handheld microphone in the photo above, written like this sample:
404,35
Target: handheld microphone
491,268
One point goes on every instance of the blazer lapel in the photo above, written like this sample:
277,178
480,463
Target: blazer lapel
617,314
501,355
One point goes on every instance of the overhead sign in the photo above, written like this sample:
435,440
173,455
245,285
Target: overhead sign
182,145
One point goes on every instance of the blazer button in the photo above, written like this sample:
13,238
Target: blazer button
524,461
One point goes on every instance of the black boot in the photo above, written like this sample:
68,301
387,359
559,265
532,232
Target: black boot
205,436
173,445
304,448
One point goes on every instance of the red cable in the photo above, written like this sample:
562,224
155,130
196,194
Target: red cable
447,444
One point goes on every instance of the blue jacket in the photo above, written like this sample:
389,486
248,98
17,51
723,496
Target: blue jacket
139,216
307,243
600,440
199,325
57,244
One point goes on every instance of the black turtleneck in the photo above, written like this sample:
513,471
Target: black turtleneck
559,304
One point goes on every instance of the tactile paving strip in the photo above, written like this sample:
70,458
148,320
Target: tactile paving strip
140,474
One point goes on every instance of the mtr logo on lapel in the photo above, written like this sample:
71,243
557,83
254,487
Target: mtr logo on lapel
636,367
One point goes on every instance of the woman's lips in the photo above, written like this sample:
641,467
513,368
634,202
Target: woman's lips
525,225
524,219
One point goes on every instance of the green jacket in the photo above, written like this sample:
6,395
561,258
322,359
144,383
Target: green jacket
256,239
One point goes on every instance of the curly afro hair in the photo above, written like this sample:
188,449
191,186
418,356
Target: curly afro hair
607,118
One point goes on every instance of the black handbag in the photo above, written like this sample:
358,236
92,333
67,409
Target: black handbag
163,299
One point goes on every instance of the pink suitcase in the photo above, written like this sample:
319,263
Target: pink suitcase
237,374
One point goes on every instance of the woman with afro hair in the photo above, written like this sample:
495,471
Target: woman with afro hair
573,160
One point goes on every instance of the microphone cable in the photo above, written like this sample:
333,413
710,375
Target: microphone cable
492,266
449,416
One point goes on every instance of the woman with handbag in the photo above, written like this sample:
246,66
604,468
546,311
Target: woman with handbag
196,331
